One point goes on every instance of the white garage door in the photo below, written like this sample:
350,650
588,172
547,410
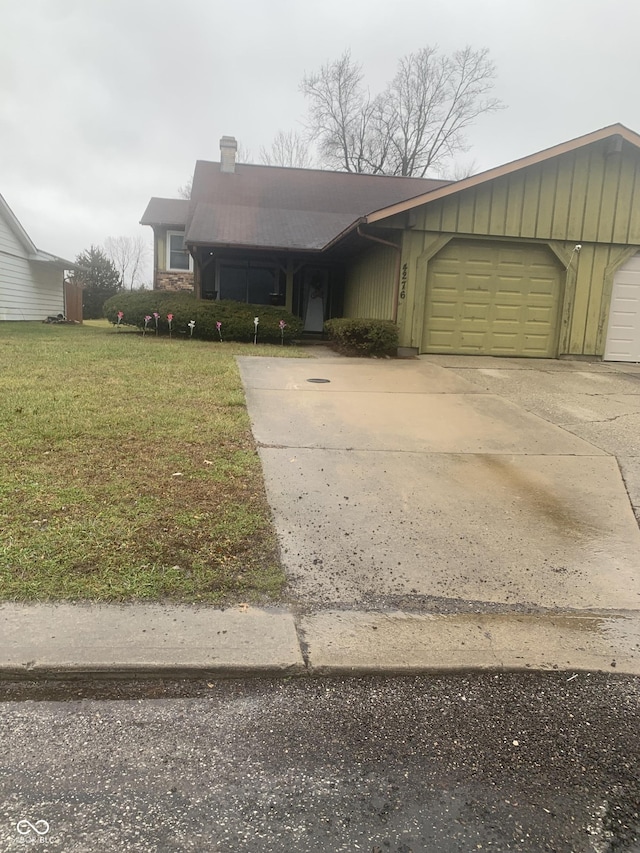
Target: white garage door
623,333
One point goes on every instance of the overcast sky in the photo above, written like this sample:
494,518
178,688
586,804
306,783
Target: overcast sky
104,103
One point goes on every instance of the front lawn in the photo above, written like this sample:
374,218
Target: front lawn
128,469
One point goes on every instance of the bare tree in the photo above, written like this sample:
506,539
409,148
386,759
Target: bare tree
343,116
288,148
185,190
243,154
418,123
127,255
457,171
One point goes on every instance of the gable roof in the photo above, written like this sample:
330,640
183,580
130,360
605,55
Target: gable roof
33,253
276,207
14,223
610,131
288,188
282,208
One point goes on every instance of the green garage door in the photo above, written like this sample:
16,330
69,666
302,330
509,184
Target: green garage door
493,299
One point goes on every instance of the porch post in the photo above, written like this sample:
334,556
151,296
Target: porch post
289,287
197,276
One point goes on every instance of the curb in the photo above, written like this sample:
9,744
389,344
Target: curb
80,641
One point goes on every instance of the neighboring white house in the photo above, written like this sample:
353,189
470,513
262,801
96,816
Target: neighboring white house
31,281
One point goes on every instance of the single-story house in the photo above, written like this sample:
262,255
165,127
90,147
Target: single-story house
538,257
32,282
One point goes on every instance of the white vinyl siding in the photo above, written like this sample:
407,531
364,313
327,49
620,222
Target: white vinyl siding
28,290
9,242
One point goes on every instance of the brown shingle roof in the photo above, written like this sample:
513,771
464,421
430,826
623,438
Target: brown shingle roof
166,211
238,225
284,208
303,189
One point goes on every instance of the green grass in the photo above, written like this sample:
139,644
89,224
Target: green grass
128,470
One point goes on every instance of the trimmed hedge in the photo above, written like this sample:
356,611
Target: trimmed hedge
363,337
236,317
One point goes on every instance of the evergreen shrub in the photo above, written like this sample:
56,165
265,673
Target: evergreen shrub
363,337
236,317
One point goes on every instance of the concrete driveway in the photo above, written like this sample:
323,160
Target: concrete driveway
598,401
413,484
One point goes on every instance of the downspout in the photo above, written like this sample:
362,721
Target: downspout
396,283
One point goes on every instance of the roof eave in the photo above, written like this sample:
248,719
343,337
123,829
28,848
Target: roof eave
17,228
250,246
344,233
160,224
53,260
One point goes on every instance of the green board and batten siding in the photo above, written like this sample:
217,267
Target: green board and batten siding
371,277
589,195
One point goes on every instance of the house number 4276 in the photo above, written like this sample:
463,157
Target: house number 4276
403,282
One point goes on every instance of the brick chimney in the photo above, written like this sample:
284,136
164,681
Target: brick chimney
228,148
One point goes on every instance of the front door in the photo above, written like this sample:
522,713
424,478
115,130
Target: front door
315,291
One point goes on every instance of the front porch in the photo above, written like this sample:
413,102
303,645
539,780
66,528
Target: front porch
306,285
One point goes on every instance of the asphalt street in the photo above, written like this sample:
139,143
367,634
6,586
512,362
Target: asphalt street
529,762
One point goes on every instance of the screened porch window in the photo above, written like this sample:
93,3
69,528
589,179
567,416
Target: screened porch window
246,282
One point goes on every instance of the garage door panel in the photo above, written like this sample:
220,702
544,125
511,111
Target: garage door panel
443,340
534,339
472,341
501,300
541,283
506,314
445,303
623,331
539,314
475,281
475,311
503,341
444,313
475,256
474,294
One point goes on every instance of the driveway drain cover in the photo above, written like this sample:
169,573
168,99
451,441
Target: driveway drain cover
318,380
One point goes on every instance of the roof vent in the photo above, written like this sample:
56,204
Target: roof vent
228,149
614,145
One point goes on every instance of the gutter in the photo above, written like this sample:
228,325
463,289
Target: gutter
291,250
396,283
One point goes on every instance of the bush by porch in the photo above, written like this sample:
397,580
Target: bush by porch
236,318
363,336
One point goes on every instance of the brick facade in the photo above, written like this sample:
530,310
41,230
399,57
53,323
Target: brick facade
182,281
